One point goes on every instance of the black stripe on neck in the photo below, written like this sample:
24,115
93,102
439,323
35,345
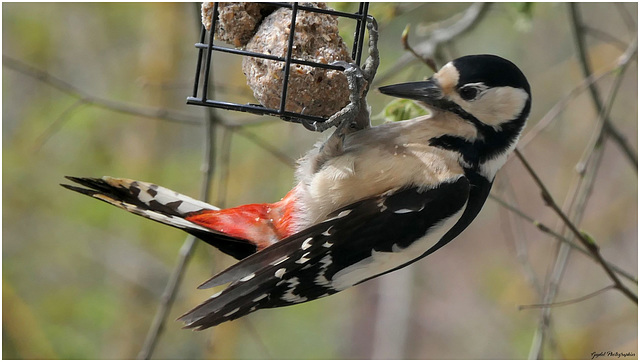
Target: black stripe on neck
489,143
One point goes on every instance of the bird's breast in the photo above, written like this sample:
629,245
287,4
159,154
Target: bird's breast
372,170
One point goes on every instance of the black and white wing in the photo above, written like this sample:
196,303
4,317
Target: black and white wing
356,243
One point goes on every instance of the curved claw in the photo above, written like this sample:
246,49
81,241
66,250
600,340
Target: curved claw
342,63
351,117
310,125
349,68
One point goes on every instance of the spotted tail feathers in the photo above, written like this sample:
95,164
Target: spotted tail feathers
162,205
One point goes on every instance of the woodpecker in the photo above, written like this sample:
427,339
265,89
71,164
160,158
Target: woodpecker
366,202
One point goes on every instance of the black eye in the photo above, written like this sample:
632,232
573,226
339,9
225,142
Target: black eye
468,93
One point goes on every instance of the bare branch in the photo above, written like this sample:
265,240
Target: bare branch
585,65
447,31
254,333
187,249
430,62
282,157
86,98
208,167
606,110
560,106
588,244
588,168
225,160
604,36
632,27
514,230
567,302
393,313
57,124
547,230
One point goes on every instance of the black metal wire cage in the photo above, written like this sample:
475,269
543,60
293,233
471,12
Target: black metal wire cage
201,86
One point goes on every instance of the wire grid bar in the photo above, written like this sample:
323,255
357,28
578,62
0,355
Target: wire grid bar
205,54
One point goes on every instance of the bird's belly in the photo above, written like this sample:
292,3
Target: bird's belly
381,262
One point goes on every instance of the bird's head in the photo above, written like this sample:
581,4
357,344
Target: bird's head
487,91
479,88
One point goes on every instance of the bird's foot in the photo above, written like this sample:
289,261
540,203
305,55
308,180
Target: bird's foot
354,116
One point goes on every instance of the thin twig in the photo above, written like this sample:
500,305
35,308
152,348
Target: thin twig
590,245
57,124
580,193
225,163
632,28
619,65
146,112
86,98
596,141
547,230
430,62
514,231
187,249
448,30
585,65
575,203
282,157
393,313
254,333
221,201
167,299
562,104
220,87
606,37
567,302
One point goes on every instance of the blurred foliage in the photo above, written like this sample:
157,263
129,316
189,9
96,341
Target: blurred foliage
400,109
82,280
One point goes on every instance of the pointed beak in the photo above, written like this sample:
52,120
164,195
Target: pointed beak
428,91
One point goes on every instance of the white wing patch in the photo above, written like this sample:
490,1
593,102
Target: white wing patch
232,312
280,272
303,259
280,260
405,211
248,277
260,298
340,215
289,296
379,262
306,244
321,279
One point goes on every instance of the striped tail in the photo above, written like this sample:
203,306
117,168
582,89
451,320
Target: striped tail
163,205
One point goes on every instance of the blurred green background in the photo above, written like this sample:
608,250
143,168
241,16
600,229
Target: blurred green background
82,280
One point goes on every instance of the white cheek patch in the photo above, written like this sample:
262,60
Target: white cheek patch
496,105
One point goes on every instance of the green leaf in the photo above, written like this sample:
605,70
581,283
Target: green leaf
401,109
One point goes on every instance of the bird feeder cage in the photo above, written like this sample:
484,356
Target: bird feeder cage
294,75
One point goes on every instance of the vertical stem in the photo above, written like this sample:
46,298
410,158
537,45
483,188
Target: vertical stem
393,315
187,249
